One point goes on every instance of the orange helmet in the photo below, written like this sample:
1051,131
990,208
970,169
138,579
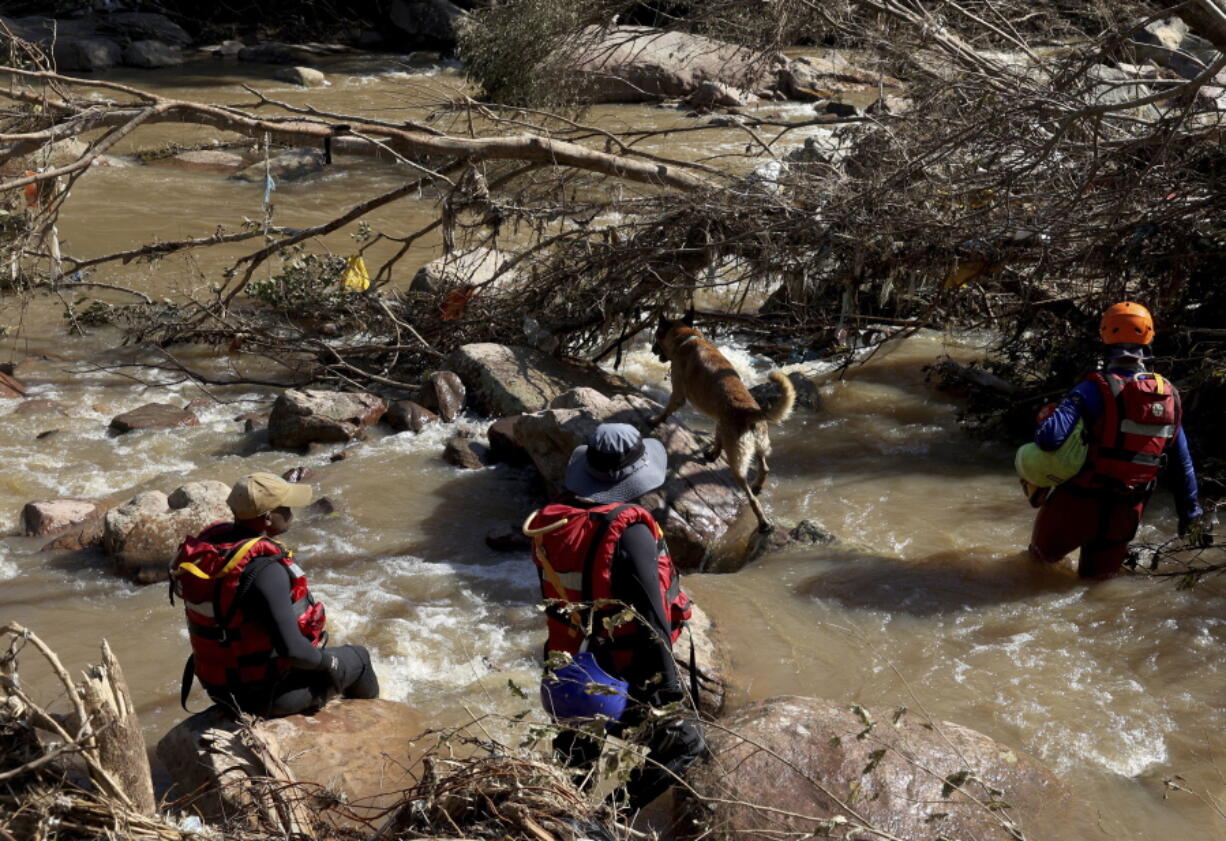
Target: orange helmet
1127,323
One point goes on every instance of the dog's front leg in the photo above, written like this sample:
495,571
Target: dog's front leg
675,401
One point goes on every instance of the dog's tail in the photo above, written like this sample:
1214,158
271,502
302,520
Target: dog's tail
782,408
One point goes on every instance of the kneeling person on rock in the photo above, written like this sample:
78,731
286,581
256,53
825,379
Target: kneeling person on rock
257,633
616,607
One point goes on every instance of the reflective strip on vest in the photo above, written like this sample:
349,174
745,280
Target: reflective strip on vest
202,608
295,570
1131,427
571,580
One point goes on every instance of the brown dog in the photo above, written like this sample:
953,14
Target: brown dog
707,379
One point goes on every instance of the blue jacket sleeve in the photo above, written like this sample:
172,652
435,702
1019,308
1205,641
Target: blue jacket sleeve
1183,484
1082,403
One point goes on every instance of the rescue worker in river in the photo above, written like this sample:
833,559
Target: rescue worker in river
257,634
615,608
1134,425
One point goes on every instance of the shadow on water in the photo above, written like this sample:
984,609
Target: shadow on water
941,583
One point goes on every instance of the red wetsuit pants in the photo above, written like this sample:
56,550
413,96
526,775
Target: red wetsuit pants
1099,522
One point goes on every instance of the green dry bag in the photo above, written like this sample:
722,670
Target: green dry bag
1045,468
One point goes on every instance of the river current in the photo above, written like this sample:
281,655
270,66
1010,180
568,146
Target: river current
929,601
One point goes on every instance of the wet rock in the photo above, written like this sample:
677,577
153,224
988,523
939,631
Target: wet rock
362,750
301,473
253,421
153,416
508,537
151,54
463,453
48,516
810,78
507,380
206,160
810,533
307,77
45,434
39,406
474,267
710,95
288,166
503,446
710,663
144,533
10,387
407,415
431,22
302,417
841,109
321,507
807,395
444,393
85,535
886,768
958,380
698,504
345,454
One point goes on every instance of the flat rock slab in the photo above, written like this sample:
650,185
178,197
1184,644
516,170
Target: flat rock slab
144,533
153,416
511,380
697,506
364,750
303,417
48,516
789,765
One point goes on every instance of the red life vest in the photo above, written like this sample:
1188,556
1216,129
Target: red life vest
1141,416
573,549
229,651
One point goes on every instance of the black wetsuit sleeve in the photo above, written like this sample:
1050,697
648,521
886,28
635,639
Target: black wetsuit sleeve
268,602
635,581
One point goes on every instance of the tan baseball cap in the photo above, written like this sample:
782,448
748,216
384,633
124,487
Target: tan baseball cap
260,493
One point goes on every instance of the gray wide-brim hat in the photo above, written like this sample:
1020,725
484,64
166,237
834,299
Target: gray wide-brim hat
617,464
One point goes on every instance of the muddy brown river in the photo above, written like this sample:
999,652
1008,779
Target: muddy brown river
1117,686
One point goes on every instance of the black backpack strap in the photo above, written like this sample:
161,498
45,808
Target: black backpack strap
605,519
189,676
245,581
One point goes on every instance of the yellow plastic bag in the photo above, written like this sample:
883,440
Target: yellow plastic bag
356,277
1046,469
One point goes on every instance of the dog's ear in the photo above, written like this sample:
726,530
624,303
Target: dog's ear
688,320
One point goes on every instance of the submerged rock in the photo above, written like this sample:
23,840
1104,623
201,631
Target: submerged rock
302,417
288,166
144,533
206,160
39,406
795,764
364,751
509,380
48,516
153,416
700,501
807,395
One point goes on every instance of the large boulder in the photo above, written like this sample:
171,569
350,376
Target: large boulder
794,766
48,516
288,166
710,664
474,267
510,380
151,54
144,533
700,501
364,751
89,53
145,26
300,418
641,64
426,22
153,416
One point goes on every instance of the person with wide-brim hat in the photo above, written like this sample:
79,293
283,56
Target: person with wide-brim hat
615,608
1132,422
259,644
